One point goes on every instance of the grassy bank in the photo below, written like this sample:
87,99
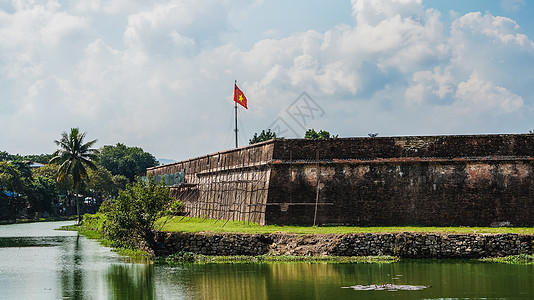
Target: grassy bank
521,259
47,219
188,257
93,223
180,224
90,228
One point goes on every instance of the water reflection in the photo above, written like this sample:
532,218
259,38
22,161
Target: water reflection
71,274
449,279
38,262
131,282
87,272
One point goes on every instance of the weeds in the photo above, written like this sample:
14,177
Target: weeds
520,259
189,257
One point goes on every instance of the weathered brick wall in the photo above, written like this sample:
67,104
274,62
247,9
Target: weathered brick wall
431,193
228,185
428,180
459,146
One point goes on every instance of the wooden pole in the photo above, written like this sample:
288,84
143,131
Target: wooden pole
317,190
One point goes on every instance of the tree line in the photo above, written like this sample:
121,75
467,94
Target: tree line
27,190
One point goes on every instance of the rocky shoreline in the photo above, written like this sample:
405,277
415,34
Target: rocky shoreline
404,245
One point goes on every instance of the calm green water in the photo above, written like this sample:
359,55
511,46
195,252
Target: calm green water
37,262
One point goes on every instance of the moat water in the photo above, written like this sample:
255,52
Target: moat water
38,262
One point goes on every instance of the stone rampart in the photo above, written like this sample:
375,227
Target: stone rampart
391,192
404,245
229,185
441,146
471,180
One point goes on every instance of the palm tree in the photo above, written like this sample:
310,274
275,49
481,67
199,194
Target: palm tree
74,156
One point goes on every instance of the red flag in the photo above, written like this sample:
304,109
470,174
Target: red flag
239,97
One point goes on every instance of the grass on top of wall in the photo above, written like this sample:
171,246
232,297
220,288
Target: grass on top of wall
186,224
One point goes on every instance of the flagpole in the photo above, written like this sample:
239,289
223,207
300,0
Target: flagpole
235,108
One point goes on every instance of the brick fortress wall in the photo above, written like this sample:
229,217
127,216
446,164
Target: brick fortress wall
228,185
430,180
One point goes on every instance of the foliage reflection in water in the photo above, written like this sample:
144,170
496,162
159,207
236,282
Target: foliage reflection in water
444,279
66,265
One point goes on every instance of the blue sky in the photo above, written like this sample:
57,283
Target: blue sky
159,74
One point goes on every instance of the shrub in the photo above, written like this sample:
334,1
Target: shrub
131,218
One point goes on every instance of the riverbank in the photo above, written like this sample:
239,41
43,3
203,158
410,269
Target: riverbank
188,257
47,219
200,239
212,237
68,265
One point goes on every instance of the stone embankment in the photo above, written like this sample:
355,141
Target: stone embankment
404,245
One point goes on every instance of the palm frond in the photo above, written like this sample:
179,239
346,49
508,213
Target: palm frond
74,155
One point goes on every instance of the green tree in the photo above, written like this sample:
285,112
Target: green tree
75,156
100,181
262,137
119,183
38,158
322,134
24,169
50,171
12,190
5,156
131,218
127,161
42,195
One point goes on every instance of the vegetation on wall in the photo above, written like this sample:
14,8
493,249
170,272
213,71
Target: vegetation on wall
262,137
322,134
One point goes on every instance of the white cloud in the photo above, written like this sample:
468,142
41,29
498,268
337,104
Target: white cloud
429,85
496,29
512,5
44,25
477,94
167,85
373,12
176,27
108,6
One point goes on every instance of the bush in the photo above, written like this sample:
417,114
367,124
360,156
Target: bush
131,218
94,222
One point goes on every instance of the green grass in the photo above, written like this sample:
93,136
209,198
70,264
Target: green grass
89,230
520,259
92,223
47,219
179,224
188,257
